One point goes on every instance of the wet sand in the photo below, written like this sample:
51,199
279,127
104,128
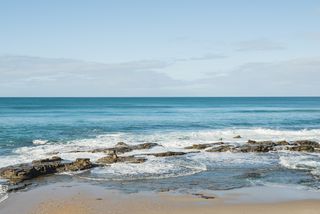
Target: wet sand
83,198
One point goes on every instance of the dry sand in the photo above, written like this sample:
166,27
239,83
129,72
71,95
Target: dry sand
63,198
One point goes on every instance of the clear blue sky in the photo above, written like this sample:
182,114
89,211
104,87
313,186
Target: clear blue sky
159,48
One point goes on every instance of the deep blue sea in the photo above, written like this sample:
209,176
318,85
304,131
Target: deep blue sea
33,128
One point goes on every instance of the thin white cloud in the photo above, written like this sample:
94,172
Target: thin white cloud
291,77
258,45
208,56
35,76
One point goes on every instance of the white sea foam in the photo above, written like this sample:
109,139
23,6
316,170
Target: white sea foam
224,159
302,162
154,168
168,141
39,142
3,192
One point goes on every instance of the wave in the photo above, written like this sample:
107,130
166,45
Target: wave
155,168
278,111
39,142
306,162
175,141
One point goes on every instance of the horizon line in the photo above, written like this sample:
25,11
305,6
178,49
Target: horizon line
307,96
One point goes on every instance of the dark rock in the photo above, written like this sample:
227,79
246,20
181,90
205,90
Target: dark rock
264,146
270,143
200,195
164,190
198,146
21,172
47,160
118,150
304,148
223,148
167,154
77,165
121,148
282,143
255,148
267,146
143,146
252,142
252,146
203,146
118,159
314,144
207,197
237,137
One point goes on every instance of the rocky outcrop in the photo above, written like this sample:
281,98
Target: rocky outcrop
304,146
253,142
243,148
198,146
268,146
270,143
121,148
257,146
314,144
114,158
254,148
222,148
26,171
21,172
282,143
143,146
203,146
168,154
78,164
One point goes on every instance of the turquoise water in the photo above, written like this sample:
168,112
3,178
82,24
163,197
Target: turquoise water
58,119
32,128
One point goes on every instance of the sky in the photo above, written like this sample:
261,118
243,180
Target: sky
159,48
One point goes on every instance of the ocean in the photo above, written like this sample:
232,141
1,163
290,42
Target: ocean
34,128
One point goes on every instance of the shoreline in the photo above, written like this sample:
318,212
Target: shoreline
77,197
175,195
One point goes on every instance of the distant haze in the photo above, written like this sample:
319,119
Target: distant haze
159,48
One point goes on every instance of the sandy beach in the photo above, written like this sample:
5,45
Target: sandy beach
84,198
